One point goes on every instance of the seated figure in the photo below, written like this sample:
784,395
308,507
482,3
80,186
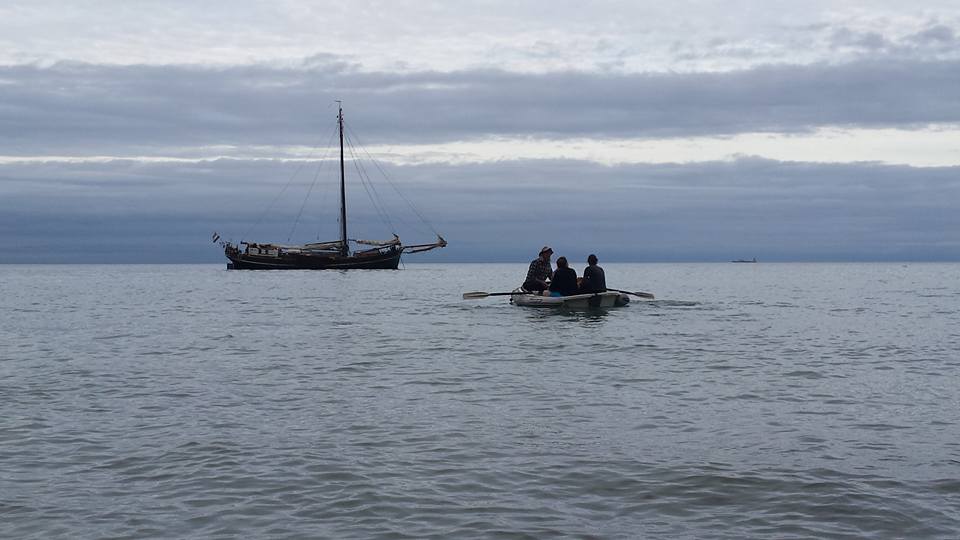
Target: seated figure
564,282
593,279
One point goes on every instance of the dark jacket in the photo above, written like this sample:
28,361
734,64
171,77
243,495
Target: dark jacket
564,281
593,280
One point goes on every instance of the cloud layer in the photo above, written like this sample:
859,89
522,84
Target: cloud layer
512,35
127,211
81,109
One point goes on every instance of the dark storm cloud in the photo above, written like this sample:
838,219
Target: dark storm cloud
128,211
81,108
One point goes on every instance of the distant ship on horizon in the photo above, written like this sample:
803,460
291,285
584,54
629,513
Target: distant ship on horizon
334,254
745,260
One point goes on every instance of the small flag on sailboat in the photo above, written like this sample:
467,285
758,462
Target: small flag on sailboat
216,236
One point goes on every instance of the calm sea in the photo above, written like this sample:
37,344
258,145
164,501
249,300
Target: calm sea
747,401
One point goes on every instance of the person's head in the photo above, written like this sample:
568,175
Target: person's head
545,253
592,259
562,262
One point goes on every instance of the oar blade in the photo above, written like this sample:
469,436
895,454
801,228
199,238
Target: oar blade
640,294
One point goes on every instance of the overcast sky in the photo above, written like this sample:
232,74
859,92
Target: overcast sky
643,131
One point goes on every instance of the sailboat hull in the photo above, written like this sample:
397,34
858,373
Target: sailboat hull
388,260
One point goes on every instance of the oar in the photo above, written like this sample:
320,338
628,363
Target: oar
638,293
479,294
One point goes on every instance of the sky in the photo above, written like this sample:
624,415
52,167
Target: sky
641,131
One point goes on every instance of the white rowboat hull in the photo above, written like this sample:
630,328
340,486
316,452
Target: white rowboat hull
576,301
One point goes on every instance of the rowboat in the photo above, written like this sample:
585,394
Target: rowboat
520,297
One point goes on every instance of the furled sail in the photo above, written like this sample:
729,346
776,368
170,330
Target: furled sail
381,243
418,248
323,246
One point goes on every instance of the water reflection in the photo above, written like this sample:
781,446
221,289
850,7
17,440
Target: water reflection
555,314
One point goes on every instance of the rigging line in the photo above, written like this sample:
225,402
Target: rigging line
310,190
282,191
372,191
304,203
364,182
324,191
369,186
395,188
376,197
417,226
384,218
380,199
376,163
373,187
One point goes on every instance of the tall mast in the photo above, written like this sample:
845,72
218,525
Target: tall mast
344,248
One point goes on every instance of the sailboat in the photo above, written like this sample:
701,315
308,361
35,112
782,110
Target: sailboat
334,254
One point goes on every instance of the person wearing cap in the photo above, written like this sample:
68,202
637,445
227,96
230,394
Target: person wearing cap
539,271
593,279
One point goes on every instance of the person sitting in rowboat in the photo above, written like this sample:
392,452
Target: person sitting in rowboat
593,279
539,271
564,282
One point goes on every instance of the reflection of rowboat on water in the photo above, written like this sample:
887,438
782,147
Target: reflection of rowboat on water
574,301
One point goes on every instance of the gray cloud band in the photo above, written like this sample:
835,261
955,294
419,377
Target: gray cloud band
702,211
88,109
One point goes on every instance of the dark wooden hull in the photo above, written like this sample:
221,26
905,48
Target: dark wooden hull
388,260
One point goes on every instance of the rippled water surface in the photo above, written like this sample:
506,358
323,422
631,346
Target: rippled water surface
748,400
